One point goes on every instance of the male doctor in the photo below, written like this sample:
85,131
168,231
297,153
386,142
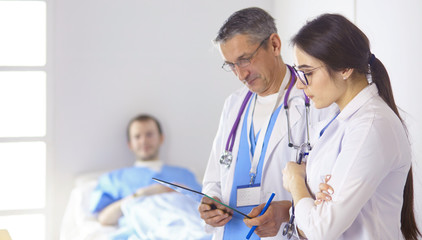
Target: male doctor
245,177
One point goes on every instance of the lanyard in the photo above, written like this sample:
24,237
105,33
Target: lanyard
259,144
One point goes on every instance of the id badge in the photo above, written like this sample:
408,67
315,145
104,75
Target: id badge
248,195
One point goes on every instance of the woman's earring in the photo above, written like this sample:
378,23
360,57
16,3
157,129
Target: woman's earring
344,78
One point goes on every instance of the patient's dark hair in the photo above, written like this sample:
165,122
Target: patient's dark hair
142,118
339,44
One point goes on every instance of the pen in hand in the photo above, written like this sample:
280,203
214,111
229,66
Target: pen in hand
262,212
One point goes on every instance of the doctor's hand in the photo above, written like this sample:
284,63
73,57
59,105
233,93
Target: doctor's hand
292,174
269,223
325,191
214,214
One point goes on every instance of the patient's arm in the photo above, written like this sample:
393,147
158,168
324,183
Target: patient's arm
110,215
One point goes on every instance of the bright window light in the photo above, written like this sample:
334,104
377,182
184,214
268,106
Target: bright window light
24,227
22,104
22,175
22,33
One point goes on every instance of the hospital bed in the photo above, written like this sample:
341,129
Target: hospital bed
158,217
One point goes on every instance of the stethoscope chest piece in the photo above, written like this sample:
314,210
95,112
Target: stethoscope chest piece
288,230
226,158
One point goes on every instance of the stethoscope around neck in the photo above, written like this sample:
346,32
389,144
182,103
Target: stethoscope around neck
302,149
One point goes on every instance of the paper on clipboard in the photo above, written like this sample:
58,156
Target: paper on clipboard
195,195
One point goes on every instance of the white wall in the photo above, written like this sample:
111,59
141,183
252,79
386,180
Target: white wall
292,15
395,31
115,59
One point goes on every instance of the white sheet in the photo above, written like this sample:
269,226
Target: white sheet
158,217
165,216
78,223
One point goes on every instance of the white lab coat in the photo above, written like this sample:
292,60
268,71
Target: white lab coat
367,153
218,178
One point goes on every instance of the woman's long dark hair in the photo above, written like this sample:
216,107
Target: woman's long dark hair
338,43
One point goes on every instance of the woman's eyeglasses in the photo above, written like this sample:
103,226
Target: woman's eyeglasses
303,74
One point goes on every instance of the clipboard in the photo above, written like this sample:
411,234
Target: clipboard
197,196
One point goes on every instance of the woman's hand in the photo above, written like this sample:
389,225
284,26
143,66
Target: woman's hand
325,191
293,173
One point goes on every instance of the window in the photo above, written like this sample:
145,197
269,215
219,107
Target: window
23,118
23,33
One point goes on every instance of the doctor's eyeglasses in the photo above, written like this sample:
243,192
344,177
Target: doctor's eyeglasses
241,63
302,74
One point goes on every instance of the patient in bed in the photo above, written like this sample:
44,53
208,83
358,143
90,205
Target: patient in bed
128,204
145,137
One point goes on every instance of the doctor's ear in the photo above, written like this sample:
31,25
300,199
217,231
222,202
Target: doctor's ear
346,73
274,43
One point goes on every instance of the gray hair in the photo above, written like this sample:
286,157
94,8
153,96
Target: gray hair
255,22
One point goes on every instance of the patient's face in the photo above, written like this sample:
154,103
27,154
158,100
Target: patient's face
145,140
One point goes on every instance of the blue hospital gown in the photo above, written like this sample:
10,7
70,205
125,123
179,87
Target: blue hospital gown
123,182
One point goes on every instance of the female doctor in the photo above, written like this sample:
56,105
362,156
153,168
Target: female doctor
364,148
